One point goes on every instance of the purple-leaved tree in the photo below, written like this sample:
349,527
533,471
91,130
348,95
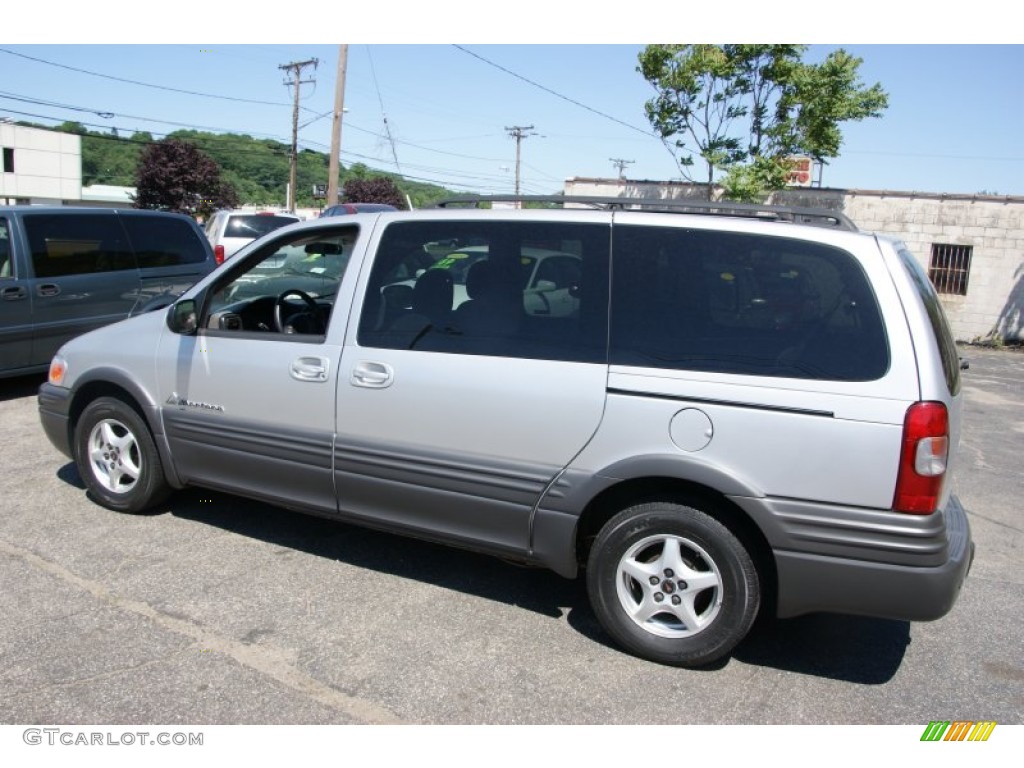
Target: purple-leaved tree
174,175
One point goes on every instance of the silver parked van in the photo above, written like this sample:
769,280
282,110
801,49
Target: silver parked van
65,271
710,411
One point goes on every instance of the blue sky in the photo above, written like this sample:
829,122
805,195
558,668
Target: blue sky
441,110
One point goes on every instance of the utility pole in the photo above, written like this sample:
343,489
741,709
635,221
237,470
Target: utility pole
519,132
339,109
621,165
295,71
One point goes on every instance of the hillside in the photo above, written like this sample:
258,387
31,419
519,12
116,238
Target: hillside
257,168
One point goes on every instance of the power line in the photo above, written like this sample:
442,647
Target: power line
144,85
204,144
105,114
452,178
554,93
387,128
122,129
420,146
42,103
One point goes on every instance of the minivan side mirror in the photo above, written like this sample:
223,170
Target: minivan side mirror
183,317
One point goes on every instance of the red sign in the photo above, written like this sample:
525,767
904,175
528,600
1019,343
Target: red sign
800,175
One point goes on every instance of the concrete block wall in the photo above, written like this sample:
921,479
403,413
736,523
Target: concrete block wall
992,226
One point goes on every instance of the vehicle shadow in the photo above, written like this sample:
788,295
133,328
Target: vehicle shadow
845,648
853,649
20,386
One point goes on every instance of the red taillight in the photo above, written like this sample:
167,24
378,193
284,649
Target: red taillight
922,459
218,253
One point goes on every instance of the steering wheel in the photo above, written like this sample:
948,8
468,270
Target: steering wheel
279,303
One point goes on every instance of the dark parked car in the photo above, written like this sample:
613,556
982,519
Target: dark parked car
65,271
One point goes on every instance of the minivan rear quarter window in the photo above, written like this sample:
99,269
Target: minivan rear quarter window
937,318
163,242
744,304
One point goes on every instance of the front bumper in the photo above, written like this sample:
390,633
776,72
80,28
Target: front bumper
54,413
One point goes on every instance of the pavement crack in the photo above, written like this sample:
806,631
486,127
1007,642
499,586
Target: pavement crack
265,660
110,673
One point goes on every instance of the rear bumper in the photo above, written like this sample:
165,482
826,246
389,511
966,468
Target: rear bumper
54,407
815,582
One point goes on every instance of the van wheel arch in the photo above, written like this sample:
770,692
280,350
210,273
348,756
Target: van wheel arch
651,490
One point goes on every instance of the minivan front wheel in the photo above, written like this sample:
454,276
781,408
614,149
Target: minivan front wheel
117,458
672,584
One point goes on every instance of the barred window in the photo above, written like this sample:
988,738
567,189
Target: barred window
949,268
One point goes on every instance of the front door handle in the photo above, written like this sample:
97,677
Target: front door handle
14,293
310,368
372,375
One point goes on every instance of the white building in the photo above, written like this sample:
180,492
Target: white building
39,167
971,245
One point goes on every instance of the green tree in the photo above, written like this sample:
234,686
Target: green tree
745,110
176,176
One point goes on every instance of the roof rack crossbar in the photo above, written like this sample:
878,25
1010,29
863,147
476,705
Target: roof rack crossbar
799,215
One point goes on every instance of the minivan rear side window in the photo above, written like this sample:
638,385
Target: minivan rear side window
744,304
163,241
79,244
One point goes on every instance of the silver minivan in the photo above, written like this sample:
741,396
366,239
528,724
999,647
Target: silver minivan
742,410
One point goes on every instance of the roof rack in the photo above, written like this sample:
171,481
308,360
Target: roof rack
812,216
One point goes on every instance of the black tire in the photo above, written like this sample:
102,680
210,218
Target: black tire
117,458
707,592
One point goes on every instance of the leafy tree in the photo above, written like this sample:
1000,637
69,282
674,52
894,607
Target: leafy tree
372,190
745,110
174,175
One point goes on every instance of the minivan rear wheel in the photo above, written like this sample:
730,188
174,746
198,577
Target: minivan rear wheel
672,584
117,458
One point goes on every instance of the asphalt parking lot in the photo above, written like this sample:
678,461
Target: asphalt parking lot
219,610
